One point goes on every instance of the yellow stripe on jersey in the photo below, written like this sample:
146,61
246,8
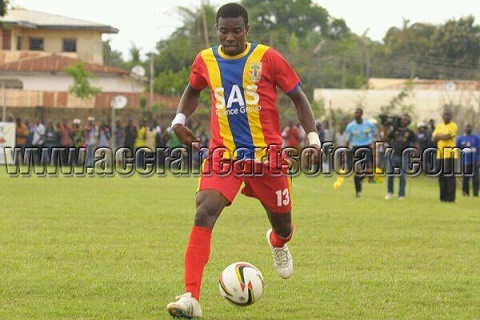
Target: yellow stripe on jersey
216,82
251,75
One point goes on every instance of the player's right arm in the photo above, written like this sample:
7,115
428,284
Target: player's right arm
189,101
188,104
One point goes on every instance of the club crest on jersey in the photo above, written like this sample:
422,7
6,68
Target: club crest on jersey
255,72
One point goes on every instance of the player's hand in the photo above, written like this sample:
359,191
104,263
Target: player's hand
184,134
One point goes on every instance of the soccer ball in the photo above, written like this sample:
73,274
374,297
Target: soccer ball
241,283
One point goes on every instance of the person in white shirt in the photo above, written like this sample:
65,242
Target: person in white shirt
38,134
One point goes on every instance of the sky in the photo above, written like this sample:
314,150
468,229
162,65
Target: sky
144,22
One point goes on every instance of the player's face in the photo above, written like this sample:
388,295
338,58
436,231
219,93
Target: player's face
231,34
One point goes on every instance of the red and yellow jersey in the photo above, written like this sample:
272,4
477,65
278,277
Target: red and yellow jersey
244,117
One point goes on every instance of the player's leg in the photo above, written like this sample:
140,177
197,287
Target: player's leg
210,204
277,237
215,191
274,192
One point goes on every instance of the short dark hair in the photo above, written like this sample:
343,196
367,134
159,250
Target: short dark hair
232,10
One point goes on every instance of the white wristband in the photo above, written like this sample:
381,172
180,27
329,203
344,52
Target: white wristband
313,139
179,119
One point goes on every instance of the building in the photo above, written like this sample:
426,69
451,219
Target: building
39,31
427,98
34,52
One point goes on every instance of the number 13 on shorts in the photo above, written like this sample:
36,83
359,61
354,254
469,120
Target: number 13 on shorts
283,197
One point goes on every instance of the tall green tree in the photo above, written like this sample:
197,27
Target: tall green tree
112,57
3,7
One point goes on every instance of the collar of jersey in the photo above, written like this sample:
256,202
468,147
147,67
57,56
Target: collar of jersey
238,56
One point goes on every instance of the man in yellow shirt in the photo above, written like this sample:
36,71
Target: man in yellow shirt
444,135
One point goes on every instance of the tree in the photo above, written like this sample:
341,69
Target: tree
81,76
3,11
3,7
112,57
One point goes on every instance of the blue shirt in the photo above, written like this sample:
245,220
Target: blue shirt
470,146
360,134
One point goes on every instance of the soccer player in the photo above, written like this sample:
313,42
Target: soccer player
243,78
360,134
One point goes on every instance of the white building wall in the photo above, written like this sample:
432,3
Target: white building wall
428,103
48,82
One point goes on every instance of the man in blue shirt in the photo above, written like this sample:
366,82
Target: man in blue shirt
360,134
470,146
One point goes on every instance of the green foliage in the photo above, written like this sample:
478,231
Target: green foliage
81,76
322,49
451,50
112,57
143,102
170,82
3,7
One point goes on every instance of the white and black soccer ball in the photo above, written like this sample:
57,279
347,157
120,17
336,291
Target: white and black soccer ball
241,283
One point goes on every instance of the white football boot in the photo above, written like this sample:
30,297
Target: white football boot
185,307
282,259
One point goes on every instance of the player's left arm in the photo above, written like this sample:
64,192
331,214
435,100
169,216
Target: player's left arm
305,116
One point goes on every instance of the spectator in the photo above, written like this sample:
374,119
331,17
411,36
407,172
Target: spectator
130,133
399,139
469,143
119,139
29,141
341,141
140,142
38,138
91,134
77,134
21,134
360,134
50,136
65,141
150,139
444,135
104,134
292,136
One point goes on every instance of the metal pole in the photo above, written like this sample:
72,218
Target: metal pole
151,80
4,112
113,130
204,22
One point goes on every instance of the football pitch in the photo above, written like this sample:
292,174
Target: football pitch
113,248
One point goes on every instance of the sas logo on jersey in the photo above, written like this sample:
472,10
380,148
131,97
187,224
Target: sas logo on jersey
255,72
237,103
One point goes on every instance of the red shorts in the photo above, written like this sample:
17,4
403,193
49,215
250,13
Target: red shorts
271,187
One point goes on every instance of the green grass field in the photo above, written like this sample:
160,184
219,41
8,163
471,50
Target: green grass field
112,248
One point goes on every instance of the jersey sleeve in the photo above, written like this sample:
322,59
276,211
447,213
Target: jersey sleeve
283,74
198,74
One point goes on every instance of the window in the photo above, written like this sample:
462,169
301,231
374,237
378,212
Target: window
36,44
69,45
6,37
19,43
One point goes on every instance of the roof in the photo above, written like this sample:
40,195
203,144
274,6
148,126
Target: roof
35,20
55,63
